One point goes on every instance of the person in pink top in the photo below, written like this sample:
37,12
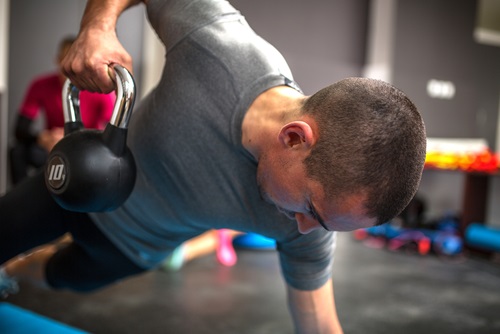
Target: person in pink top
44,96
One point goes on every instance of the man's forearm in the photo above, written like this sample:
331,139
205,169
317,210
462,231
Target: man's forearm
103,14
314,311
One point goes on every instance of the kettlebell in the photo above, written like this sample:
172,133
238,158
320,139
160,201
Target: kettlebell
91,170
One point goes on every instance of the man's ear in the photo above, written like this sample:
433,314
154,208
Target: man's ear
297,134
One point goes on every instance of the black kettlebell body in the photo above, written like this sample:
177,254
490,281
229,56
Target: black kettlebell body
91,170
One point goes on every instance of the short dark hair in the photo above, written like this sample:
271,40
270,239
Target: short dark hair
371,140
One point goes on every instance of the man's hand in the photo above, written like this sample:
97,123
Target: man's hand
88,63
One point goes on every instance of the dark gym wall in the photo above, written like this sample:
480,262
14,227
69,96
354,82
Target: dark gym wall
434,40
322,40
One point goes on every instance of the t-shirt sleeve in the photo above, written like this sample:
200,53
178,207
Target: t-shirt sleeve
307,260
173,20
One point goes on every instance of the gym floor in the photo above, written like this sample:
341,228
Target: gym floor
377,291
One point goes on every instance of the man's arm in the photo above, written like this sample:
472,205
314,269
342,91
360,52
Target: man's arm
314,311
97,46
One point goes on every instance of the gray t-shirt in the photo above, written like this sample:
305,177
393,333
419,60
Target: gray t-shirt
193,172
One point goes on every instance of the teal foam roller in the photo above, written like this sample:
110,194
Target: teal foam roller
481,236
16,320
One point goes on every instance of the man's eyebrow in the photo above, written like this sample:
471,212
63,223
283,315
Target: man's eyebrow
317,216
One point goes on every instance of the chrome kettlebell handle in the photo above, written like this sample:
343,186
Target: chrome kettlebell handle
125,97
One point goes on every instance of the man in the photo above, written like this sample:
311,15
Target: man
226,113
44,97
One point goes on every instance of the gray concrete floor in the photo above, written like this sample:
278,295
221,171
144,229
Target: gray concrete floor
376,291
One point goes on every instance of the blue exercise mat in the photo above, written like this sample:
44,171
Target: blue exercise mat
16,320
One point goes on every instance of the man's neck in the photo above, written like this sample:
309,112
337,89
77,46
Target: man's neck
266,115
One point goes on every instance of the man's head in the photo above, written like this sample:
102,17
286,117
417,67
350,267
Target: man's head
351,157
371,141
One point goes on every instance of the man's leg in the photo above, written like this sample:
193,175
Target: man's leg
91,261
88,263
29,217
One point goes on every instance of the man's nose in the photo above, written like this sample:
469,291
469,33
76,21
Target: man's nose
305,224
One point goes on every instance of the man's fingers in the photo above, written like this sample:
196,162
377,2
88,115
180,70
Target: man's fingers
91,79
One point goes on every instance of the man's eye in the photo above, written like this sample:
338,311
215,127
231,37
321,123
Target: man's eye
311,213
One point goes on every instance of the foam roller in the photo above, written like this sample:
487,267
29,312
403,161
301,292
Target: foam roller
482,236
